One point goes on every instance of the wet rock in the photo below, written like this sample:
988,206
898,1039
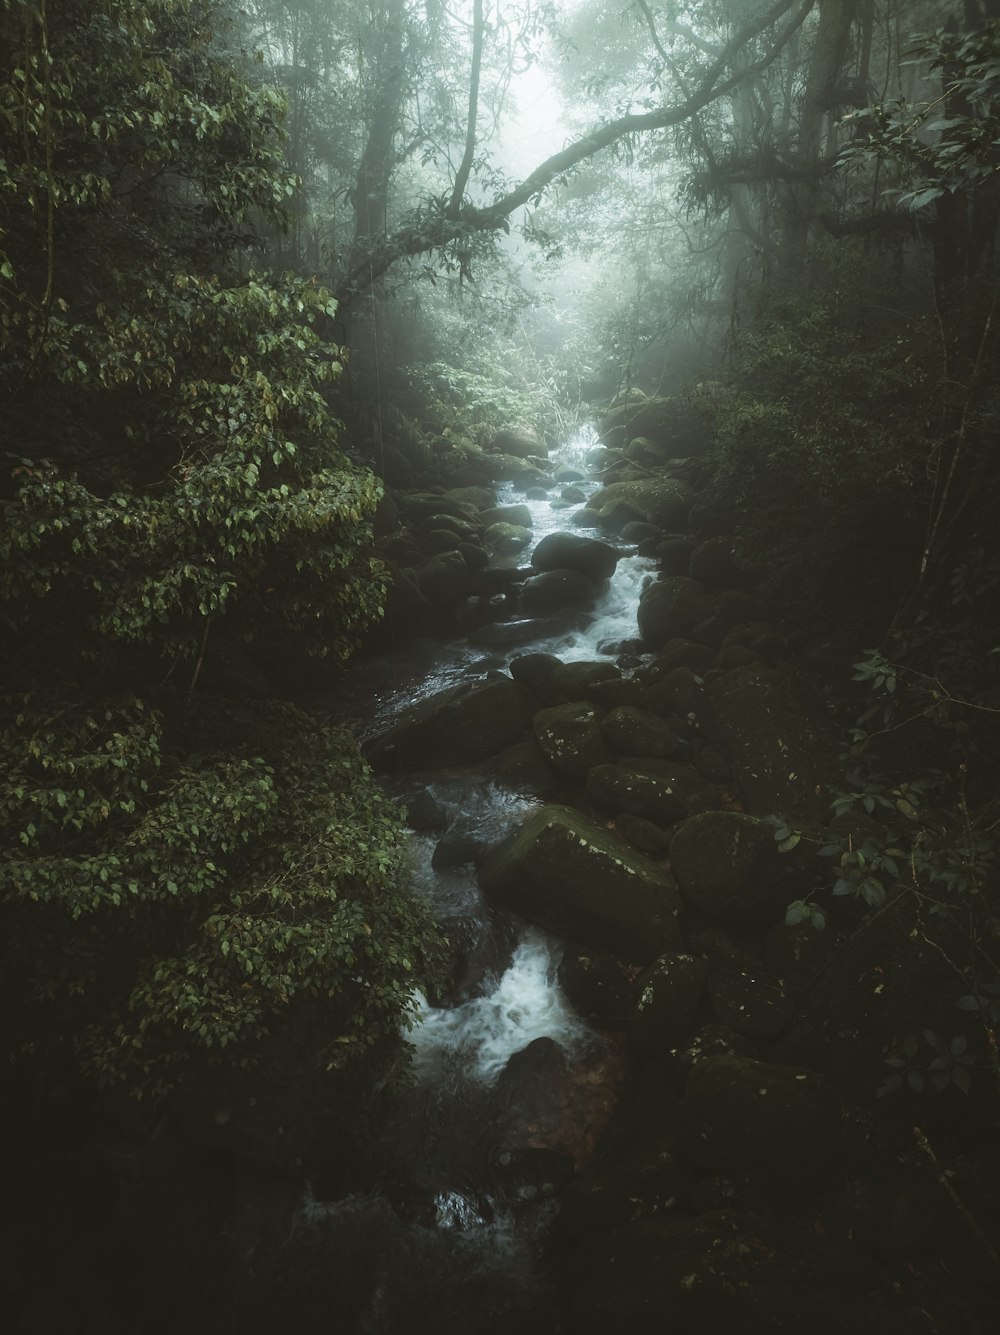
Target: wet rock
670,991
575,681
749,1001
713,563
733,656
573,495
470,500
596,985
423,811
776,1127
439,540
728,867
514,634
671,607
616,691
421,506
674,555
569,551
445,580
638,531
585,518
711,1040
474,556
658,790
504,539
527,1174
577,880
699,658
643,834
781,743
457,726
557,589
535,672
638,732
518,515
671,426
570,738
461,844
521,442
711,632
655,500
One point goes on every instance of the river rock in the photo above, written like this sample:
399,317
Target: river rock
777,1127
456,726
748,1000
575,681
662,791
420,506
671,607
782,746
638,732
616,691
713,563
507,514
643,834
728,866
445,580
437,540
505,539
670,991
573,878
655,500
673,426
569,551
556,589
535,672
570,738
596,985
521,442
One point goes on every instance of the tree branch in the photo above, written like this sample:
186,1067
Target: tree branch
462,176
442,226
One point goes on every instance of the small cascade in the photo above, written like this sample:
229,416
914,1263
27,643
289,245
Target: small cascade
459,1226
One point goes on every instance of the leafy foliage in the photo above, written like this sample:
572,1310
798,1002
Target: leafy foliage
183,884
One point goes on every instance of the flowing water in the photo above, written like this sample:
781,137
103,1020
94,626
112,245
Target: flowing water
452,1230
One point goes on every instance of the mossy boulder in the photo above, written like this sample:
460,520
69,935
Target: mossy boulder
570,738
672,427
638,732
660,790
670,608
574,878
728,866
569,551
781,742
670,991
655,500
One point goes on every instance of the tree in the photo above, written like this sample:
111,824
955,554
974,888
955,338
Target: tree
186,881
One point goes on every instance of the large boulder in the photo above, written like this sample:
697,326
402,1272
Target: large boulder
507,514
523,442
670,991
670,608
674,428
456,726
505,539
728,866
638,732
568,875
656,500
781,742
661,790
570,551
570,738
554,590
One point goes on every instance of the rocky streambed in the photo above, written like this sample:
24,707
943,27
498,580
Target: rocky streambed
642,1100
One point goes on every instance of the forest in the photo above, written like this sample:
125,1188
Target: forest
500,665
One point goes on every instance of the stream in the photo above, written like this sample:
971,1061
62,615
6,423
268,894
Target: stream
450,1225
